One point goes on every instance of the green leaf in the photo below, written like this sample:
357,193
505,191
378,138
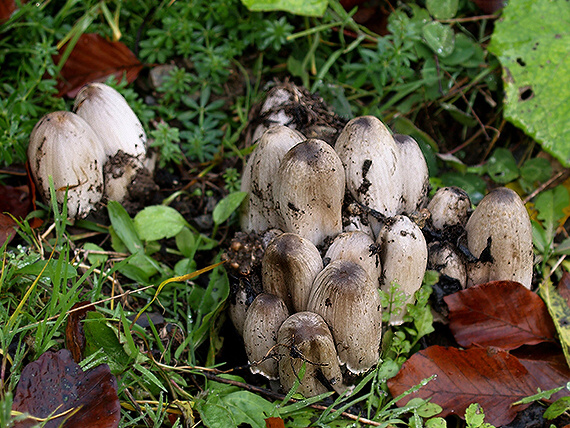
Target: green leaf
536,169
95,259
124,227
98,335
227,206
50,271
158,222
557,408
550,206
235,408
474,185
439,37
297,7
442,9
502,166
436,423
531,41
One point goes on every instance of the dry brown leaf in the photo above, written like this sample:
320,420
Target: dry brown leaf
501,314
55,384
7,8
94,59
493,378
74,334
274,423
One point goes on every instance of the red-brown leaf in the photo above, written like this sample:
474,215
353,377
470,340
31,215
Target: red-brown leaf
493,378
74,334
274,423
7,228
94,59
55,383
15,201
7,8
501,314
547,365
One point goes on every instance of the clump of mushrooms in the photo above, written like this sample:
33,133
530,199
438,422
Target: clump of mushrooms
92,154
351,216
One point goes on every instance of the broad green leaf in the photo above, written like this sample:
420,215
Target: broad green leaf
439,37
557,408
560,312
297,7
92,254
502,166
227,206
48,268
474,185
124,227
550,206
442,9
158,222
235,408
532,43
534,171
98,335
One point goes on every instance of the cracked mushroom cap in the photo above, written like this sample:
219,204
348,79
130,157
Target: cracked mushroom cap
349,301
307,339
288,269
500,226
309,189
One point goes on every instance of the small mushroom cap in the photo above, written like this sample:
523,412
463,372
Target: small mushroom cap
262,321
258,212
444,258
369,155
349,301
111,117
307,339
309,190
501,224
357,247
414,174
449,207
288,269
64,146
404,259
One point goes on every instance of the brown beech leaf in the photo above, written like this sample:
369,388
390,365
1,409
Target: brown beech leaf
94,59
491,377
74,334
15,201
7,228
547,365
274,423
501,314
7,8
55,384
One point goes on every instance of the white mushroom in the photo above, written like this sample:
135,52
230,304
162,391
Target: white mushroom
500,226
64,146
414,174
309,190
449,207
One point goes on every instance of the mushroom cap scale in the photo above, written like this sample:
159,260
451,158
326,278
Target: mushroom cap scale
309,341
309,190
349,301
64,146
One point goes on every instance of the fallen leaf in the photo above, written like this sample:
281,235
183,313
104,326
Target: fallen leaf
74,334
490,6
7,229
501,314
55,384
274,423
94,59
547,365
7,7
560,313
493,378
15,201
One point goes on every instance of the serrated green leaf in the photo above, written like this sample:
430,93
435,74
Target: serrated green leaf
297,7
158,222
557,408
442,9
531,41
439,37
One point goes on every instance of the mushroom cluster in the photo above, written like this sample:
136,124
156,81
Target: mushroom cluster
96,152
342,222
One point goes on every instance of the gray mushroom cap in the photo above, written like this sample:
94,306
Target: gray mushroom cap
308,340
349,301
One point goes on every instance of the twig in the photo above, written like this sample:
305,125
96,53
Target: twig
543,186
469,18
